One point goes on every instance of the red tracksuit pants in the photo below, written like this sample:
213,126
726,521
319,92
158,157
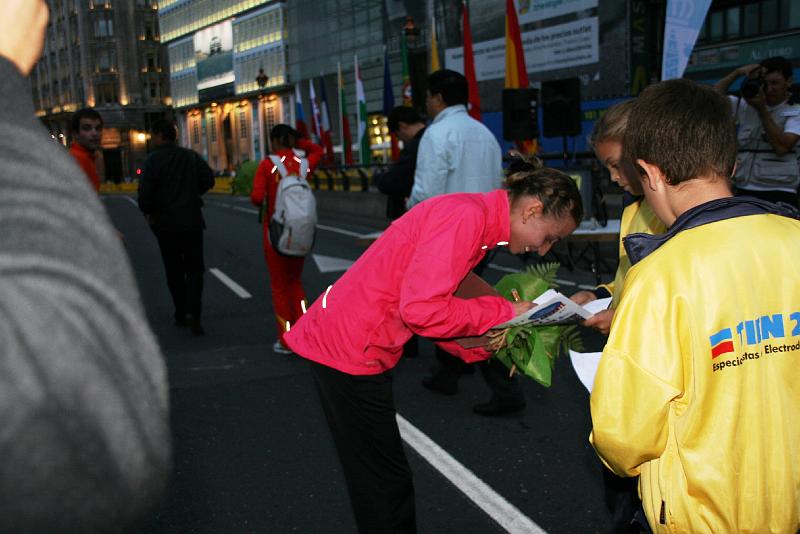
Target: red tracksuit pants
287,290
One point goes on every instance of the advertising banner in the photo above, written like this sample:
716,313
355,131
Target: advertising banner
684,19
533,10
213,51
565,45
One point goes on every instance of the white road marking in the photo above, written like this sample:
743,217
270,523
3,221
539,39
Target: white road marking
246,210
130,199
331,264
338,230
508,516
233,286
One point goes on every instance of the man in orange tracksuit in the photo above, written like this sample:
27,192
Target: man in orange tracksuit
87,130
284,271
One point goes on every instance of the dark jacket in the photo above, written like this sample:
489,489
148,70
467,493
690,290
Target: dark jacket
398,179
170,190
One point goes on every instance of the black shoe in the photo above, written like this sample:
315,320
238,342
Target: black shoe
197,328
441,382
497,407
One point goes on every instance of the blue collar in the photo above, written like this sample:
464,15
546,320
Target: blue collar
639,246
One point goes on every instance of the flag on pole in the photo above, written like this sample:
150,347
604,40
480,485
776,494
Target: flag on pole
388,101
474,106
344,124
681,29
314,110
299,116
516,73
325,124
407,95
364,150
435,65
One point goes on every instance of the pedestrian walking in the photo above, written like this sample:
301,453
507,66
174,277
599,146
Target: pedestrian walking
288,298
173,182
87,131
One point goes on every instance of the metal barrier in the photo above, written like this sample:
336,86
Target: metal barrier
357,178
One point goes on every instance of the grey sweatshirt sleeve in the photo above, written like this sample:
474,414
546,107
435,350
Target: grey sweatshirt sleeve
84,436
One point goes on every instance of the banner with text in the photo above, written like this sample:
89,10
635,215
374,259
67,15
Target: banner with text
533,10
557,47
684,20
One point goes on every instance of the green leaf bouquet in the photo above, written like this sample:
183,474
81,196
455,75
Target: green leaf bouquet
532,350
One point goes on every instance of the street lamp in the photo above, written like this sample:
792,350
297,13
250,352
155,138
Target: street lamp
262,80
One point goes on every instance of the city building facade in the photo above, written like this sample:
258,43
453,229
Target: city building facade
106,55
613,49
227,75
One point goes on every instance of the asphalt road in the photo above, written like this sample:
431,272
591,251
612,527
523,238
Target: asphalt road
252,451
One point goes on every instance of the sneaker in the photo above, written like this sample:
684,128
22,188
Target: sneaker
278,348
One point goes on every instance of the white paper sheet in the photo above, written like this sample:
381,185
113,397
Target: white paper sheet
585,365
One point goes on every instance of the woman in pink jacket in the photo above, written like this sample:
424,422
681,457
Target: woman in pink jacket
403,285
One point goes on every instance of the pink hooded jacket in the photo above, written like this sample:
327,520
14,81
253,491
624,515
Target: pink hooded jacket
404,284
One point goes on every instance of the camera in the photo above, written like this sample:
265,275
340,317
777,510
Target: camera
751,87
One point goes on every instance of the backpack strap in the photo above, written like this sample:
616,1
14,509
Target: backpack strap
279,166
300,156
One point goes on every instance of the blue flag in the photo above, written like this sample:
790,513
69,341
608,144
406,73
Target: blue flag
388,92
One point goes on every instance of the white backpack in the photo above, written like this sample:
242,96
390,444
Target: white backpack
293,226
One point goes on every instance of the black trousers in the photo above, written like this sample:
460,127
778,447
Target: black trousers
495,374
361,414
182,253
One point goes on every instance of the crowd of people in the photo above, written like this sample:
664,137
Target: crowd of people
695,400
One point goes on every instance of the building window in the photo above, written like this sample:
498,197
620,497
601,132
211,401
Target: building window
196,132
243,124
106,93
212,128
103,25
747,18
106,60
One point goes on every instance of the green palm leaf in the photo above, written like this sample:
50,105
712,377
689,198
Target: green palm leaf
533,349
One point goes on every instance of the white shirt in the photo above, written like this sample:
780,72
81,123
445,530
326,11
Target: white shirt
457,154
764,170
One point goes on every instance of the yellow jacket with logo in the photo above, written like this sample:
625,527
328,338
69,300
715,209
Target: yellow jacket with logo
700,392
637,217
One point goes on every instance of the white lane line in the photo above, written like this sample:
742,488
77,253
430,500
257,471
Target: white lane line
246,210
339,230
233,286
508,516
129,199
320,226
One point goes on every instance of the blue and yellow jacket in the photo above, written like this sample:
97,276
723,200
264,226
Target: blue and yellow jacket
700,392
637,217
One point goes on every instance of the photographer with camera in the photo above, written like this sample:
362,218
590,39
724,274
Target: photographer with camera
768,128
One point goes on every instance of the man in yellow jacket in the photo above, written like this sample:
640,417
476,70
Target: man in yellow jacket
697,389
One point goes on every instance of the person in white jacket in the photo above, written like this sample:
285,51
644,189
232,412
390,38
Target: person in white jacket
458,154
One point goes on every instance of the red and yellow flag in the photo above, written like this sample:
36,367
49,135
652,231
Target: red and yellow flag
516,73
474,106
